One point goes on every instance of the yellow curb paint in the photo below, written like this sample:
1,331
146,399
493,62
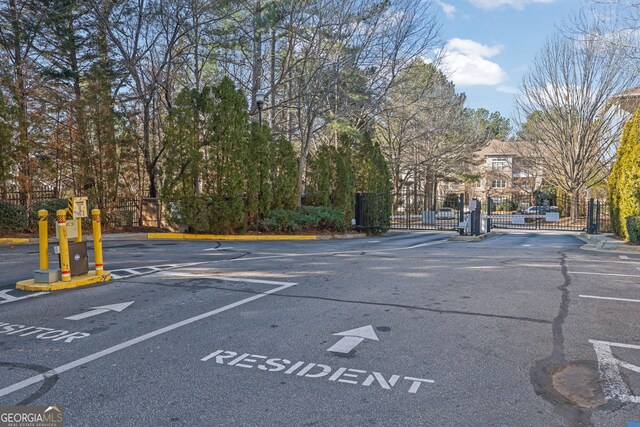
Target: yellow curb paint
76,282
11,241
183,236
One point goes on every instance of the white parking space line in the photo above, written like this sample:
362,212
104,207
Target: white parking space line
603,261
217,249
591,273
365,251
208,275
84,360
6,298
604,274
125,273
614,385
609,298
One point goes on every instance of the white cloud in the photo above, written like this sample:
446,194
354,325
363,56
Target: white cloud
470,47
508,89
466,62
448,9
494,4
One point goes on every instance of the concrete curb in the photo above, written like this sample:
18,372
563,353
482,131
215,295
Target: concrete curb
606,243
90,278
13,241
183,236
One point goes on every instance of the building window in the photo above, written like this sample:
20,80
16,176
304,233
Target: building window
478,184
499,163
499,183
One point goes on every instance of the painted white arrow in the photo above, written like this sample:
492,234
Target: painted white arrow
352,338
100,310
6,298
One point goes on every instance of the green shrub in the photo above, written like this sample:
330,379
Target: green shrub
633,228
208,214
306,218
13,218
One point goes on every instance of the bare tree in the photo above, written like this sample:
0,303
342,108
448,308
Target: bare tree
146,36
425,132
563,110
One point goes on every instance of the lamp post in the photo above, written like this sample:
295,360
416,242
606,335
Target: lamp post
260,106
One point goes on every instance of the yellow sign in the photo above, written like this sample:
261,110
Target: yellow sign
78,207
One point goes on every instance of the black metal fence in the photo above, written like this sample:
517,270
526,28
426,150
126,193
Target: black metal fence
372,212
418,212
19,198
421,212
568,215
121,212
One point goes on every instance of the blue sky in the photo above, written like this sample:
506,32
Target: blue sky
490,44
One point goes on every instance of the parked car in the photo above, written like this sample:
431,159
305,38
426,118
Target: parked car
445,213
536,210
540,210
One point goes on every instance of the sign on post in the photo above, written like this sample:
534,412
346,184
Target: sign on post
552,217
72,229
78,207
517,219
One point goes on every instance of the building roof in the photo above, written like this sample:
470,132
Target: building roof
629,100
495,147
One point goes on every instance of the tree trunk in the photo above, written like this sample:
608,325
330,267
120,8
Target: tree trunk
24,167
575,206
256,72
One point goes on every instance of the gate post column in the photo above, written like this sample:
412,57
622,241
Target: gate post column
461,213
488,213
590,221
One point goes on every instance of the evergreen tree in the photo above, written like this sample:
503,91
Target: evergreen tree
284,174
259,166
344,185
624,181
320,173
6,145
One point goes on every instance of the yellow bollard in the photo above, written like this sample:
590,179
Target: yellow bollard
97,241
79,237
61,216
43,239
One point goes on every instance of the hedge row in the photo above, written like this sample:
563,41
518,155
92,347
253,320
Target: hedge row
624,181
12,218
305,218
633,228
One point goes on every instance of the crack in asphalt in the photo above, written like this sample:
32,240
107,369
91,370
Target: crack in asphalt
542,372
47,384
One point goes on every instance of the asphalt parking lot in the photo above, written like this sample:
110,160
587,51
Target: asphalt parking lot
410,329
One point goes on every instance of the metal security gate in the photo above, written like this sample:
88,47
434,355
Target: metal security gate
568,215
413,211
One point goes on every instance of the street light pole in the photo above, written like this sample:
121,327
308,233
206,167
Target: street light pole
260,106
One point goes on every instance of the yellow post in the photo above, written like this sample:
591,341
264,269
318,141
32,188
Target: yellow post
70,210
43,239
79,223
61,217
97,241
